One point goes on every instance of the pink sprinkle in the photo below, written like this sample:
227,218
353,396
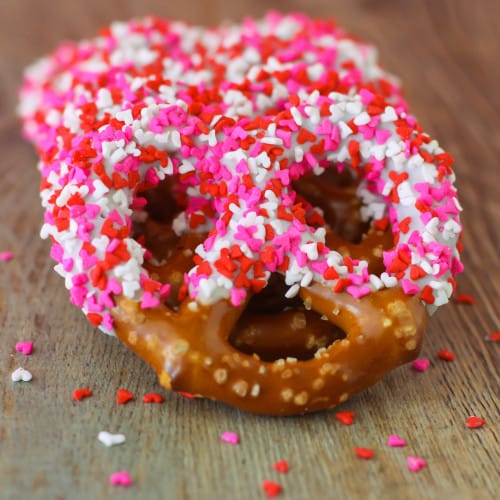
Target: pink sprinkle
25,347
394,441
120,478
237,296
230,437
421,364
366,96
416,463
382,136
6,256
149,301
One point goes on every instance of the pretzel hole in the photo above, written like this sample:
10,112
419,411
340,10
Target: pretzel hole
274,327
334,193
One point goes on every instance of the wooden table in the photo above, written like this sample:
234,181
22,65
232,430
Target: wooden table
447,53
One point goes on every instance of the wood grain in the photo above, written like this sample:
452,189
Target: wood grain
446,52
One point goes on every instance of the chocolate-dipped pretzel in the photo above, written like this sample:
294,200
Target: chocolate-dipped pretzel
225,134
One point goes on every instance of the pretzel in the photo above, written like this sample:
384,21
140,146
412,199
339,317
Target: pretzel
187,170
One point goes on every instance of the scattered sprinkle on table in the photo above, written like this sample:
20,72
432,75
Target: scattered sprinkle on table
420,364
153,397
446,355
271,488
475,422
465,298
281,466
120,478
6,256
230,437
25,347
82,393
365,453
415,463
346,417
394,441
108,439
493,337
21,375
123,396
186,395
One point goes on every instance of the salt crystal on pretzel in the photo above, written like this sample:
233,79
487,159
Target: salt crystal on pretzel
238,115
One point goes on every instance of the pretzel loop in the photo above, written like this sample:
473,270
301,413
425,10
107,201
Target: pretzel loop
190,350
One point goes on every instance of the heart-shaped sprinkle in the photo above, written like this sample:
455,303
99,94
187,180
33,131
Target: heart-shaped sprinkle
120,478
281,466
346,417
109,439
394,441
465,298
123,396
475,422
415,463
493,337
6,256
366,453
421,364
271,488
82,393
230,437
25,347
186,395
21,375
153,397
446,355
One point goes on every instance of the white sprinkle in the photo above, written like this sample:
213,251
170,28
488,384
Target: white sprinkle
109,439
21,375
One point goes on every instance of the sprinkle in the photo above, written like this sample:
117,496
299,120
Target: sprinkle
6,256
475,422
465,298
230,437
281,466
120,478
395,441
109,439
446,355
79,394
420,364
186,395
365,453
25,347
346,417
123,396
271,488
493,337
153,397
415,463
21,375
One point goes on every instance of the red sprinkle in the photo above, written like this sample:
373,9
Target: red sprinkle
366,453
186,395
281,466
493,337
446,355
79,394
475,422
465,298
271,488
346,417
153,397
123,396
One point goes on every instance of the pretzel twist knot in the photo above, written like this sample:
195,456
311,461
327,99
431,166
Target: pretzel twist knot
250,209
